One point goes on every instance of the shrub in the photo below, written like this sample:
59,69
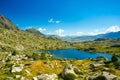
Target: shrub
101,58
8,60
117,64
77,71
69,76
8,65
100,78
43,56
7,72
35,56
114,58
14,52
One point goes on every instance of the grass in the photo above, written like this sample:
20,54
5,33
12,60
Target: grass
56,66
45,66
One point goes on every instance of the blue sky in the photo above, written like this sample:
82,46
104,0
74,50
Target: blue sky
64,17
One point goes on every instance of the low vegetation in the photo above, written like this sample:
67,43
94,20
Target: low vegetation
69,76
110,46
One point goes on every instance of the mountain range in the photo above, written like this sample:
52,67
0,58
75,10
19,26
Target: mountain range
111,35
7,24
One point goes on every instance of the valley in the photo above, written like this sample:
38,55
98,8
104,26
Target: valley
21,59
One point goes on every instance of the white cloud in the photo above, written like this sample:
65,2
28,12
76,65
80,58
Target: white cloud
93,33
96,32
51,20
113,29
54,21
79,33
42,29
57,22
60,32
107,30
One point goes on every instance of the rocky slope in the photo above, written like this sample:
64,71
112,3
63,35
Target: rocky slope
6,23
12,38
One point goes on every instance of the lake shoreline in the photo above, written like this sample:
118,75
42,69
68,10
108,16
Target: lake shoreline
76,54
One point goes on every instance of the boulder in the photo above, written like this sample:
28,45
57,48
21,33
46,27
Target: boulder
16,69
46,77
24,78
108,75
92,66
17,76
68,69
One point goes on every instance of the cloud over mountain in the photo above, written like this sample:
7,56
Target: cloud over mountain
113,29
60,32
41,29
103,31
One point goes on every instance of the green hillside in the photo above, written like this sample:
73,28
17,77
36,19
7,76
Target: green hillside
24,42
111,46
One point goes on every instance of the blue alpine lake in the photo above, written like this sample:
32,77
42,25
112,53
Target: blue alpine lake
76,54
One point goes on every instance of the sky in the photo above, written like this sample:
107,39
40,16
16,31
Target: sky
64,17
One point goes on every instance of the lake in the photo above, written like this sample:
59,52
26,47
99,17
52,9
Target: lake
76,54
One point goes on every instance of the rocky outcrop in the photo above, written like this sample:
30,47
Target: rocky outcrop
68,69
7,24
46,77
17,69
107,75
98,63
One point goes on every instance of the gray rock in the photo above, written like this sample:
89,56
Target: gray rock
16,69
92,66
17,76
46,77
108,75
106,69
24,78
68,69
80,76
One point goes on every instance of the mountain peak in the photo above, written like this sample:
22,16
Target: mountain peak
34,31
6,23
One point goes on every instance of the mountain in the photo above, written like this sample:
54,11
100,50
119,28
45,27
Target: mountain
34,31
6,23
110,35
91,38
24,42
